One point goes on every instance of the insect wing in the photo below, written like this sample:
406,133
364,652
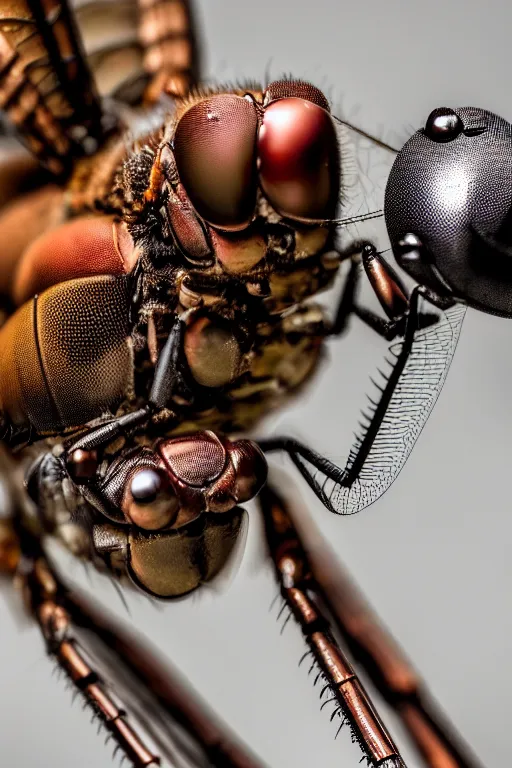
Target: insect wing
109,31
395,420
139,50
46,88
365,164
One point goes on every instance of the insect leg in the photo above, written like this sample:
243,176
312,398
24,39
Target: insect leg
373,647
297,588
161,694
389,291
295,449
347,298
168,380
76,630
170,373
420,363
45,596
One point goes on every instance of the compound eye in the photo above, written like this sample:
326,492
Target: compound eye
298,159
299,89
151,503
443,125
215,153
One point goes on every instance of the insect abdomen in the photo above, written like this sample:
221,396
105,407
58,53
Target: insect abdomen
66,355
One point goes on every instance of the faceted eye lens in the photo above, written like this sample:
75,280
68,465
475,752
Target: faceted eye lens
152,504
443,125
298,159
214,148
299,89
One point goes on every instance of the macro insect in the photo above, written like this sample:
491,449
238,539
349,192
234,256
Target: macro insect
156,301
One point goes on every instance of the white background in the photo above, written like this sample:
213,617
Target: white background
432,555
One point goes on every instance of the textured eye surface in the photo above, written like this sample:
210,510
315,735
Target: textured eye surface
152,504
83,247
443,125
299,89
298,159
214,148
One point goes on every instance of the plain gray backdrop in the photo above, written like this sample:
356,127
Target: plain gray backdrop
433,554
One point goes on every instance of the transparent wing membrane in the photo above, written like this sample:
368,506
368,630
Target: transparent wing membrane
365,165
418,367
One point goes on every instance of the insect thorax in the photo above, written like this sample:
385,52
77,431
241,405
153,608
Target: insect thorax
249,339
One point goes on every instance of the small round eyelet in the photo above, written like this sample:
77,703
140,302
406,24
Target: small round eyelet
82,465
410,250
443,125
146,484
152,503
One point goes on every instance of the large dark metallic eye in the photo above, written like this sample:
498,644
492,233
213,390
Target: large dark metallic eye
299,89
298,159
215,152
443,125
151,503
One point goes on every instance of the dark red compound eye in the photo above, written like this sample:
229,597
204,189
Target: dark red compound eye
215,153
299,89
298,159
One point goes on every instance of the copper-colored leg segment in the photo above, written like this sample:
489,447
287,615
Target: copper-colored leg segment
42,592
296,580
169,693
374,648
168,709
